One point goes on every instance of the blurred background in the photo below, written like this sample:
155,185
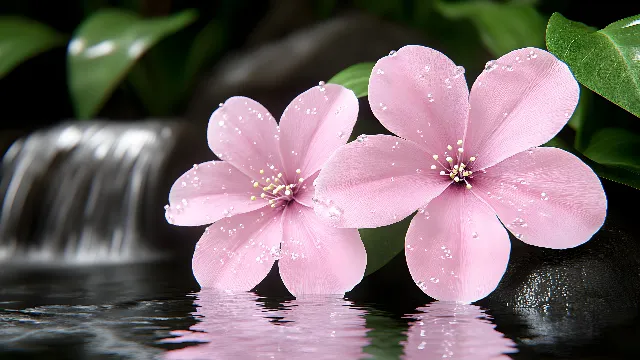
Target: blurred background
106,102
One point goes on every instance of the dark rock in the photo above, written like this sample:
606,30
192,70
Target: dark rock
274,73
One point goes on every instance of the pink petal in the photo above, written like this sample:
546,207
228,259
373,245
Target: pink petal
209,192
457,331
314,125
317,258
306,191
243,133
545,196
520,101
376,182
419,94
457,250
237,253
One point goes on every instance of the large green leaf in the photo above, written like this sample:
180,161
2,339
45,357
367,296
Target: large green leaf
355,77
502,26
106,46
615,147
21,39
606,61
383,243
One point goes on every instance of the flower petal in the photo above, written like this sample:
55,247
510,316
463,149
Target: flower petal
237,253
209,192
545,196
457,250
419,94
376,181
314,125
317,258
520,101
243,133
306,192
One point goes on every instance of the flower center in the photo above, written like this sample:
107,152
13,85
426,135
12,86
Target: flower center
456,166
276,190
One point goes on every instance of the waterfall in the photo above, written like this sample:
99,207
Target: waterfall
87,192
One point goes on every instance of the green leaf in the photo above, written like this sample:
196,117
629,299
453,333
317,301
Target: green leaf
355,77
383,243
208,43
615,147
21,39
503,27
606,61
105,47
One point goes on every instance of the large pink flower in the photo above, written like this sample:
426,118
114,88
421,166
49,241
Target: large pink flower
259,197
462,158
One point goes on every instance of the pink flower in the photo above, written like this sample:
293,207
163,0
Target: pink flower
259,197
462,158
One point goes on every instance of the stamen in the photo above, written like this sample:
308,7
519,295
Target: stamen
433,167
268,180
261,171
301,179
460,150
455,167
469,186
262,195
297,171
255,184
435,157
456,179
279,175
287,192
449,147
473,158
253,198
449,159
443,173
459,142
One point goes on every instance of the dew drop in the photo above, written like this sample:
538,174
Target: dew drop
392,53
362,138
383,107
340,134
430,97
474,235
459,70
221,123
448,83
380,72
490,66
434,280
184,183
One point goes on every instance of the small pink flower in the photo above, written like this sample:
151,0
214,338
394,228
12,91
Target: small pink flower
461,159
259,197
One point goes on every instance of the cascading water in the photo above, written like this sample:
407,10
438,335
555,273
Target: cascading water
86,192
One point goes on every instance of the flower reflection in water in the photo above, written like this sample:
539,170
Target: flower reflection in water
455,331
242,326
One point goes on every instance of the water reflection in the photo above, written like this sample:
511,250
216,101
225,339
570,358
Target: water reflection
234,326
455,331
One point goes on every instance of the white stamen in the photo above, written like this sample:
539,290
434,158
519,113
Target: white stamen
435,157
460,150
433,167
459,142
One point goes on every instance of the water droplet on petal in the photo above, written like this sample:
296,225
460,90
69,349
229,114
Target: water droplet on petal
490,66
459,70
434,280
362,138
392,53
